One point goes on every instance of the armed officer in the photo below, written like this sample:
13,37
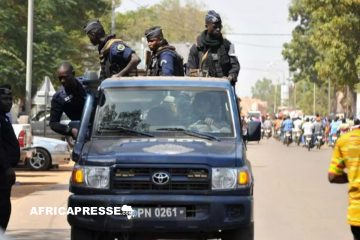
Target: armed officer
213,55
70,99
165,61
116,58
9,155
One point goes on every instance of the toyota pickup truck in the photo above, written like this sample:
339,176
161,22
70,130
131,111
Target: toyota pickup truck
161,157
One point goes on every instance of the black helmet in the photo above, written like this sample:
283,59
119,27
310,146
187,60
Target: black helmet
154,32
212,17
94,26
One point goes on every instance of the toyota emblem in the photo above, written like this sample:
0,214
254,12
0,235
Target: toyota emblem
160,178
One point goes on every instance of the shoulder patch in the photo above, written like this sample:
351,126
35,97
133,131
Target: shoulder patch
163,62
120,47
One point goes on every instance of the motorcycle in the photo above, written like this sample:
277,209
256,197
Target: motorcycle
333,139
319,141
308,142
297,136
287,138
267,133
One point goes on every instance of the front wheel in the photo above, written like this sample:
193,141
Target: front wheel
40,161
244,233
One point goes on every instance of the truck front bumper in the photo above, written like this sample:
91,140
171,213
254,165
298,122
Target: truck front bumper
204,213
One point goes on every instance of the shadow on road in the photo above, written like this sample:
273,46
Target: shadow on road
37,234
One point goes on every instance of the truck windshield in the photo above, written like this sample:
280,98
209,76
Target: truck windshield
157,111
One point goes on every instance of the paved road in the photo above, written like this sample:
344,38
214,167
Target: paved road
293,199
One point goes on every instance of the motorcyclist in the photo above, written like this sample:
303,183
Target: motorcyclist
267,125
297,129
318,128
308,130
287,126
334,127
344,127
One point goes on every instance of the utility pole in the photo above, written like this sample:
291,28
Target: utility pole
275,96
294,95
329,97
113,17
314,103
29,56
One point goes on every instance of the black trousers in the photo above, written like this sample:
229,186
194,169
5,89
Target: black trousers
356,232
5,207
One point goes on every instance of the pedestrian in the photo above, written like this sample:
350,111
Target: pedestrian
165,61
213,55
345,168
9,155
70,99
116,58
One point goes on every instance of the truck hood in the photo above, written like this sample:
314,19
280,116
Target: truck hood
159,150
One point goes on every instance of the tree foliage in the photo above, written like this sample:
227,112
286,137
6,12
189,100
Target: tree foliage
324,45
265,90
58,33
179,23
57,26
325,41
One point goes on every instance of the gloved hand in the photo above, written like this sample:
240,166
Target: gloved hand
232,79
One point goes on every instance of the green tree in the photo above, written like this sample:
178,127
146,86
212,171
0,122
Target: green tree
179,23
57,26
265,90
325,45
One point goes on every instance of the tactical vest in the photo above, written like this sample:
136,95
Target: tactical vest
213,64
154,68
107,68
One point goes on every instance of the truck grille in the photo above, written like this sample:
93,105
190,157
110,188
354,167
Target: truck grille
180,179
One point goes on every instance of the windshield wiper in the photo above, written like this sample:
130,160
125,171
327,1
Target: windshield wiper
191,133
124,129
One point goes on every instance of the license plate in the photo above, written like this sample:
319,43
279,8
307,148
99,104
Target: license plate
160,212
288,134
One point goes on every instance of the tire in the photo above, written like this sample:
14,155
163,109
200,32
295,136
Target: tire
244,233
40,161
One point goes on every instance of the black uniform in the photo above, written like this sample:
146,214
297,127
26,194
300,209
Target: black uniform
114,56
165,62
213,58
9,158
70,103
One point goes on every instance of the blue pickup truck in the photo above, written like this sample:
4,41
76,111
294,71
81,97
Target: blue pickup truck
161,157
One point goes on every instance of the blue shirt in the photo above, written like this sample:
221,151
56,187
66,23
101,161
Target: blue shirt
167,63
287,125
120,54
334,127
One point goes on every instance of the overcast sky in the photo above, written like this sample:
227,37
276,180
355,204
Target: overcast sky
259,54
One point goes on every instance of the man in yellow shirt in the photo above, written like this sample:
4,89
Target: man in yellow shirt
346,155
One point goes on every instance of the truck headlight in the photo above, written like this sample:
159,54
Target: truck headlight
230,178
93,177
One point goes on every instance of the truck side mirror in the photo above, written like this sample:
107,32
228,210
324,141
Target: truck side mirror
253,131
